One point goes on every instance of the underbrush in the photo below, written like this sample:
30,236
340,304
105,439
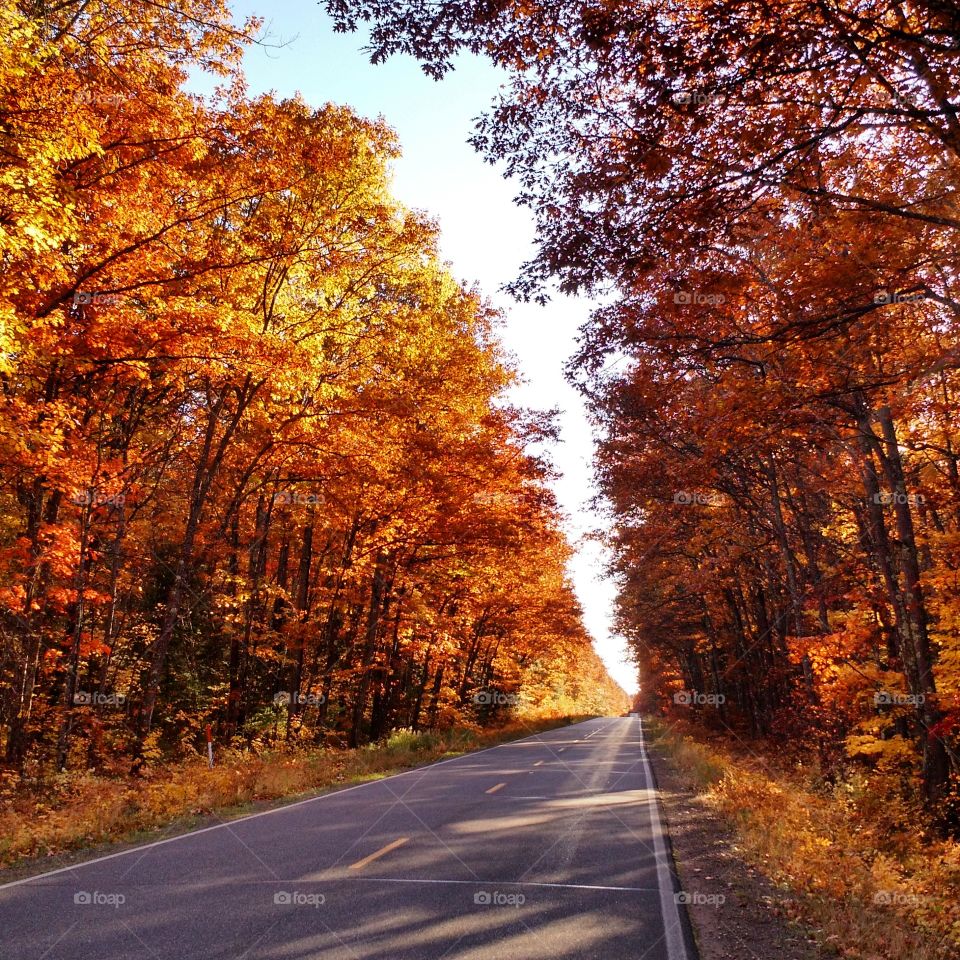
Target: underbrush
872,881
75,810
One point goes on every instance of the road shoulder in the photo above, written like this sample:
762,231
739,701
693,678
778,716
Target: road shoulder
736,913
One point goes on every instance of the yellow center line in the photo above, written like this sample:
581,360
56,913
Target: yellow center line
499,786
376,856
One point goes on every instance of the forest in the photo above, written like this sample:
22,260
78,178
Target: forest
275,524
260,479
763,198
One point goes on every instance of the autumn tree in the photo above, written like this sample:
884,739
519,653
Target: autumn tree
765,195
258,470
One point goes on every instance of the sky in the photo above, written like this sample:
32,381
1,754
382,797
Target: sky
484,236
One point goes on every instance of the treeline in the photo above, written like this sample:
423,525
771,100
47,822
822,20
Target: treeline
767,193
257,470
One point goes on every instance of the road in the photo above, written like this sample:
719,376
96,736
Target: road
540,849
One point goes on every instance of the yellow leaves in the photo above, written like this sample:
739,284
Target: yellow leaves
888,753
210,303
11,327
828,845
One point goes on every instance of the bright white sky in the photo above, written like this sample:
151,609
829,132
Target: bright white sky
484,235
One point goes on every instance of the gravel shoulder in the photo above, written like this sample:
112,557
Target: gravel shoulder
736,912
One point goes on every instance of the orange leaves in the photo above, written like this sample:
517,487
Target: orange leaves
252,431
12,597
91,646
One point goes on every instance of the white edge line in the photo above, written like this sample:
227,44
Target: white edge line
266,813
672,925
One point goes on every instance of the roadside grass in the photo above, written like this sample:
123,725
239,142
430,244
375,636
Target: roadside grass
78,810
873,884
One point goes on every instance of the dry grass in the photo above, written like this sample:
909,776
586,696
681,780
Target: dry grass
869,880
77,810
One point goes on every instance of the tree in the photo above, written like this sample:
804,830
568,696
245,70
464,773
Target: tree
765,195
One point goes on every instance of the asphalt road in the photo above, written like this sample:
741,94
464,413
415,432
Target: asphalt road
540,849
